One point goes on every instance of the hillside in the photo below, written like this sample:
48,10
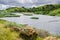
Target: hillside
55,12
44,10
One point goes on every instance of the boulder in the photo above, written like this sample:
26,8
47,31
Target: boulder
28,33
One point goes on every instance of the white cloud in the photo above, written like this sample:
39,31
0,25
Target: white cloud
34,6
2,6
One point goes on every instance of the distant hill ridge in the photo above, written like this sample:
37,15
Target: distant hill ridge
45,10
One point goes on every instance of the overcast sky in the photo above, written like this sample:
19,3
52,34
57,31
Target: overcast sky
26,3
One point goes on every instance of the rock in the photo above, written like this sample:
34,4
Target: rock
28,33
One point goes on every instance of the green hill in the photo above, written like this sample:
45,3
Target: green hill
55,12
44,10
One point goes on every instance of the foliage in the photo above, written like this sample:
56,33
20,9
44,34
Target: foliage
55,12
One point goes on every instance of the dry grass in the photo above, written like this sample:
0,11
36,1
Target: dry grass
19,39
2,25
51,38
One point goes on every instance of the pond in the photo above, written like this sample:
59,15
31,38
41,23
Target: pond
49,23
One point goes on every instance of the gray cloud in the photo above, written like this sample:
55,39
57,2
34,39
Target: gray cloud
28,3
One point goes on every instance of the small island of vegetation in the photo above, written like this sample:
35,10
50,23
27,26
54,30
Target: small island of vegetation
34,18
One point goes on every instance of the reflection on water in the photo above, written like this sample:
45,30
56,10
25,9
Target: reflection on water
49,23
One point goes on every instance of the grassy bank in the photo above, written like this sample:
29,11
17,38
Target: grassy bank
3,14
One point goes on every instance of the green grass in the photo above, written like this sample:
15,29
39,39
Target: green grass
39,38
3,21
6,34
55,12
12,15
8,15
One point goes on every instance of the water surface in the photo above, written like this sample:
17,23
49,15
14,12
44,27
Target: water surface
49,23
